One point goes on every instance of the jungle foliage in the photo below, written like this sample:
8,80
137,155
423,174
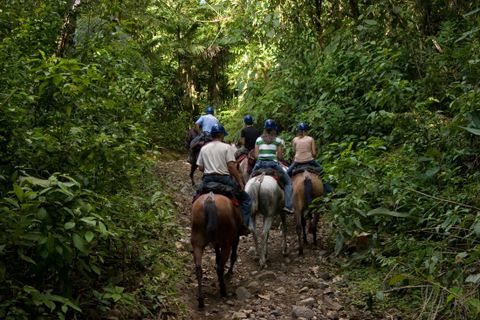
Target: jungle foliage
390,90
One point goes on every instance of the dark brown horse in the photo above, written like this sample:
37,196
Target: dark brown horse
215,221
306,187
194,150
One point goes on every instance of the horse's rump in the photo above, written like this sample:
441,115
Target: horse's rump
263,189
269,172
214,212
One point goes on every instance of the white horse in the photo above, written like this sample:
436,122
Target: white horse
267,199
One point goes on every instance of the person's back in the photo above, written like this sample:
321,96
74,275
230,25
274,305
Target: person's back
250,134
214,157
207,121
304,149
303,146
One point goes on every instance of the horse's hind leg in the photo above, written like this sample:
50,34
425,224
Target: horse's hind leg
197,257
313,228
221,257
304,230
253,230
267,224
193,167
298,227
233,256
284,234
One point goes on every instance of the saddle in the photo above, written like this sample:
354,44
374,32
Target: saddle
199,141
217,188
269,172
306,167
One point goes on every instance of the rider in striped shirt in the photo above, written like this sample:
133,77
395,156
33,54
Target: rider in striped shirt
268,149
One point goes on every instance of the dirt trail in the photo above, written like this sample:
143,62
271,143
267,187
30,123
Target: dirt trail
304,287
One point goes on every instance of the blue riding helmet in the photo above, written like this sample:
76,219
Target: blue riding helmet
218,128
209,110
269,124
302,126
248,119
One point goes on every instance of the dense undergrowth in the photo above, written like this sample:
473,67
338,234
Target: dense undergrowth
395,112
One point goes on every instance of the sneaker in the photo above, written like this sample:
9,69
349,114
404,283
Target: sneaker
287,210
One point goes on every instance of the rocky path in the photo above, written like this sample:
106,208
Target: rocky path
292,287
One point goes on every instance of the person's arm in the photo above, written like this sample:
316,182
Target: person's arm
200,165
242,141
257,148
314,148
232,169
294,149
198,123
280,152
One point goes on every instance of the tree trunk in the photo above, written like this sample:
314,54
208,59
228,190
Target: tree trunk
316,17
354,9
65,39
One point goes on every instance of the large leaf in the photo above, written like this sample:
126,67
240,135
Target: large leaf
385,212
475,131
79,243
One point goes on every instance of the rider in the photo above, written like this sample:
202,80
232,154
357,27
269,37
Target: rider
202,126
206,121
268,150
304,148
249,134
217,162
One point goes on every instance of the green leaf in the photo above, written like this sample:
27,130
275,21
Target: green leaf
475,304
89,220
397,279
476,228
102,228
380,295
385,212
41,213
473,278
18,192
69,225
89,236
79,243
26,258
455,291
475,131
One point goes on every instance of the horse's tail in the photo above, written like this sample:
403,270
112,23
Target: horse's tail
211,218
307,190
252,188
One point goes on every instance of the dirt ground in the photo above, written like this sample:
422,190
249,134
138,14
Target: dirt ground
292,287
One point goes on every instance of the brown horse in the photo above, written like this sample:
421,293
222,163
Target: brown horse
215,221
306,187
